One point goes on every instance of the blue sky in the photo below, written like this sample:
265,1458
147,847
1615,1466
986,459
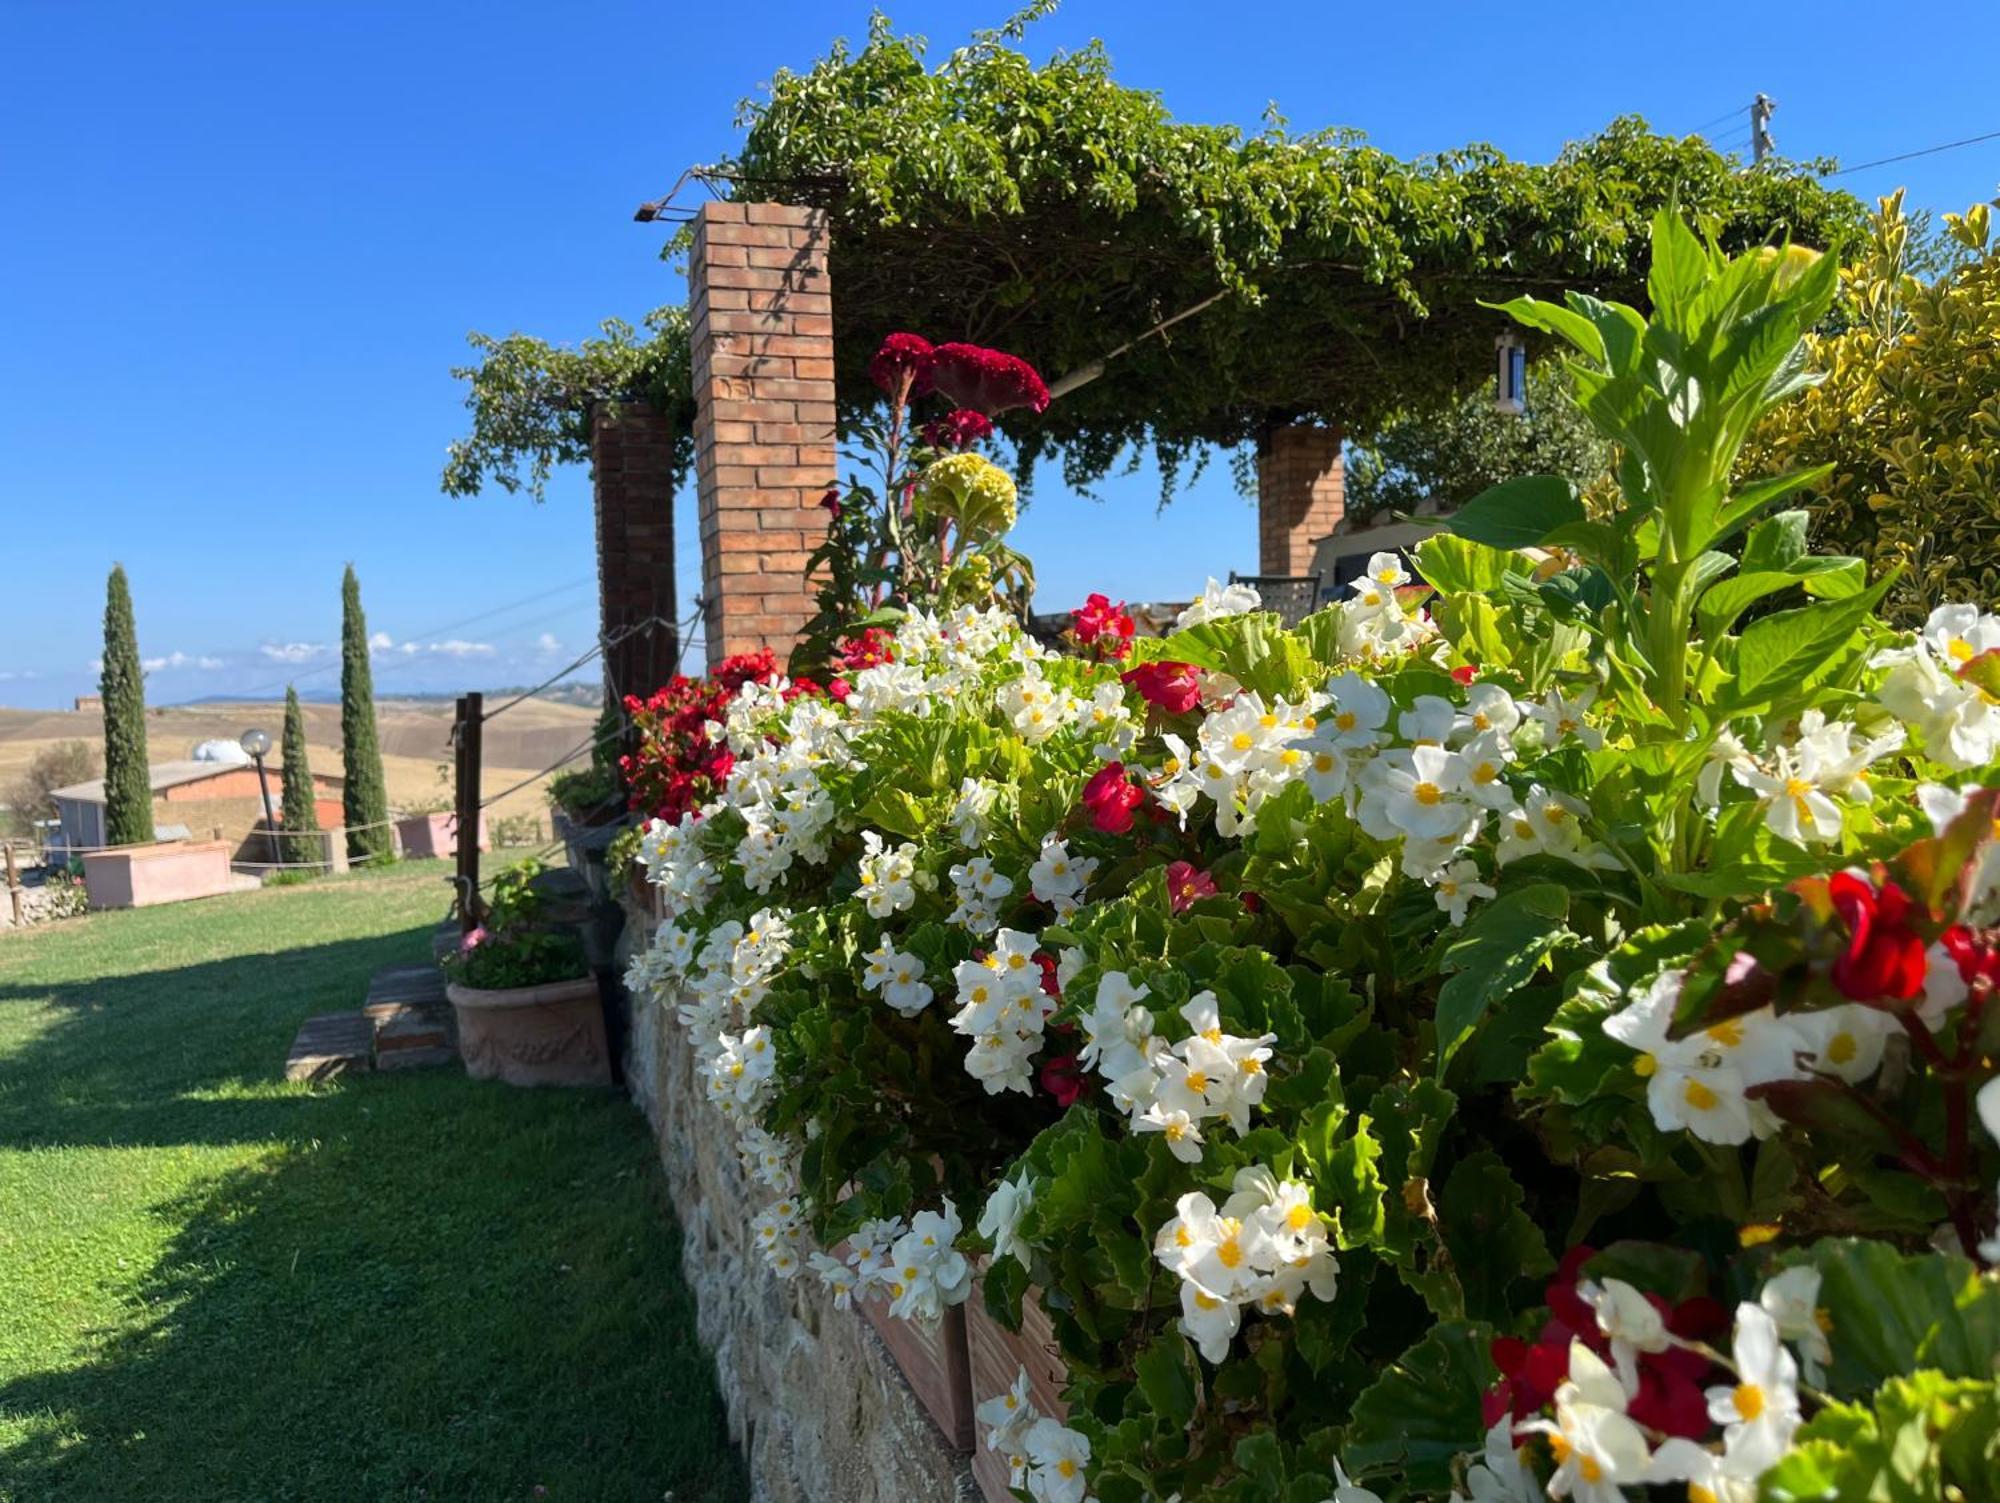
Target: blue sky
241,246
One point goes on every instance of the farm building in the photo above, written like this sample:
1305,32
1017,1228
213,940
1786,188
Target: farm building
192,798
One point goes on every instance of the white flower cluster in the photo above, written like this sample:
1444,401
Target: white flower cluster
888,875
1172,1089
1600,1449
1042,1455
867,1270
1265,1248
787,811
980,889
1036,708
779,1231
937,660
1959,721
1700,1083
1798,785
899,977
1375,625
1002,1009
1058,878
671,853
1217,601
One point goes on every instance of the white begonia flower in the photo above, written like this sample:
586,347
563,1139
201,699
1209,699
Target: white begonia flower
887,875
1760,1411
1561,718
1058,1462
1007,1417
837,1277
1710,1478
1218,601
1483,763
1631,1321
1957,634
1412,793
1209,1321
1489,711
1698,1083
980,889
1796,807
1791,1299
1598,1449
1386,571
1180,1131
1429,721
1499,1475
930,1271
1960,726
1846,1041
1329,768
1000,1222
1058,878
1520,836
1458,887
1726,754
1358,710
971,817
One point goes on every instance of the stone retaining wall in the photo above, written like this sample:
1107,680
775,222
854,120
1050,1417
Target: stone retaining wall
815,1401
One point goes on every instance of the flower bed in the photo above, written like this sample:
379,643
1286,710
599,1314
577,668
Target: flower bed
1523,1031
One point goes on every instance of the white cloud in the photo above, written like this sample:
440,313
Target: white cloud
381,642
97,665
548,642
209,664
179,660
451,647
8,675
292,652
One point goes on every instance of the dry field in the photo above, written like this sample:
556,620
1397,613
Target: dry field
416,742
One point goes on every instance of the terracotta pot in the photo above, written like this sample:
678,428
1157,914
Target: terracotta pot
533,1035
996,1356
422,836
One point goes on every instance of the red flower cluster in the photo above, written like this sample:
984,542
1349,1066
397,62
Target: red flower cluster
1110,797
1104,628
1884,957
901,365
959,429
677,767
871,649
1670,1397
1173,687
1187,884
987,381
1977,958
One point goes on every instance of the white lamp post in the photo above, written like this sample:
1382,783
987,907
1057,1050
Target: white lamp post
258,744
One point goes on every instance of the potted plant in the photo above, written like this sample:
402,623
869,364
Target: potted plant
527,1008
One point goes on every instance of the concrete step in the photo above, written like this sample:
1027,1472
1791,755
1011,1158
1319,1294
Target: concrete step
334,1043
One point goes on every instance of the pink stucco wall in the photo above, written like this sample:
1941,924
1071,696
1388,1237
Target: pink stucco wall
172,872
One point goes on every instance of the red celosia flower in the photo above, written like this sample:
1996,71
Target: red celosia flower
1884,958
1174,687
960,429
901,365
1110,797
1062,1078
987,381
1103,627
831,501
1187,884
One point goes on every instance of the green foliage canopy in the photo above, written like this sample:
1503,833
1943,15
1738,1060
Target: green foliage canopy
128,783
1058,213
300,814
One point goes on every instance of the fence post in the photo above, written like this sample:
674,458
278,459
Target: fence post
14,885
471,713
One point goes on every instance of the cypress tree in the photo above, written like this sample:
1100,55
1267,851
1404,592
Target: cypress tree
300,815
364,796
128,784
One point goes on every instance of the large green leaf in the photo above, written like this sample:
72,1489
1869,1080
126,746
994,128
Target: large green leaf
1923,1438
1791,648
1518,513
1494,1243
1411,1423
1890,1314
1495,955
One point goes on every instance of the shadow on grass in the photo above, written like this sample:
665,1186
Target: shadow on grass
425,1287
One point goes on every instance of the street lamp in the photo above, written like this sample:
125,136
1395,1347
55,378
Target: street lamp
1510,380
258,745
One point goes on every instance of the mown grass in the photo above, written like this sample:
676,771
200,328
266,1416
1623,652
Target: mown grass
215,1285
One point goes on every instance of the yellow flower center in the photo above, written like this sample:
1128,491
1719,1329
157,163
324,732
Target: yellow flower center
1700,1097
1197,1080
1323,762
1427,793
1842,1048
1728,1033
1485,773
1347,720
1066,1468
1645,1065
1299,1217
1960,650
1588,1468
1229,1253
1749,1400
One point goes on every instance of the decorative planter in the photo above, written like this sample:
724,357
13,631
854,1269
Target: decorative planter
932,1359
533,1035
138,876
996,1356
424,835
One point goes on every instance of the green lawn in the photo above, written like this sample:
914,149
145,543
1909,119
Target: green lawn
215,1285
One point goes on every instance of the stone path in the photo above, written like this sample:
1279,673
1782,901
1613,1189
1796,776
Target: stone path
404,1023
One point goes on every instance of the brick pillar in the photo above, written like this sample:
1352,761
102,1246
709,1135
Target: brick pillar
631,471
1301,493
761,331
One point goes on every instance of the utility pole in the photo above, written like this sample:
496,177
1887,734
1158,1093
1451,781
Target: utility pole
1761,144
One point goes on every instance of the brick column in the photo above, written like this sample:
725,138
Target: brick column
1301,493
631,472
761,332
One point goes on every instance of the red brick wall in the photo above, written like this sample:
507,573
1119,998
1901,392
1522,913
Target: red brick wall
761,327
631,471
1301,493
